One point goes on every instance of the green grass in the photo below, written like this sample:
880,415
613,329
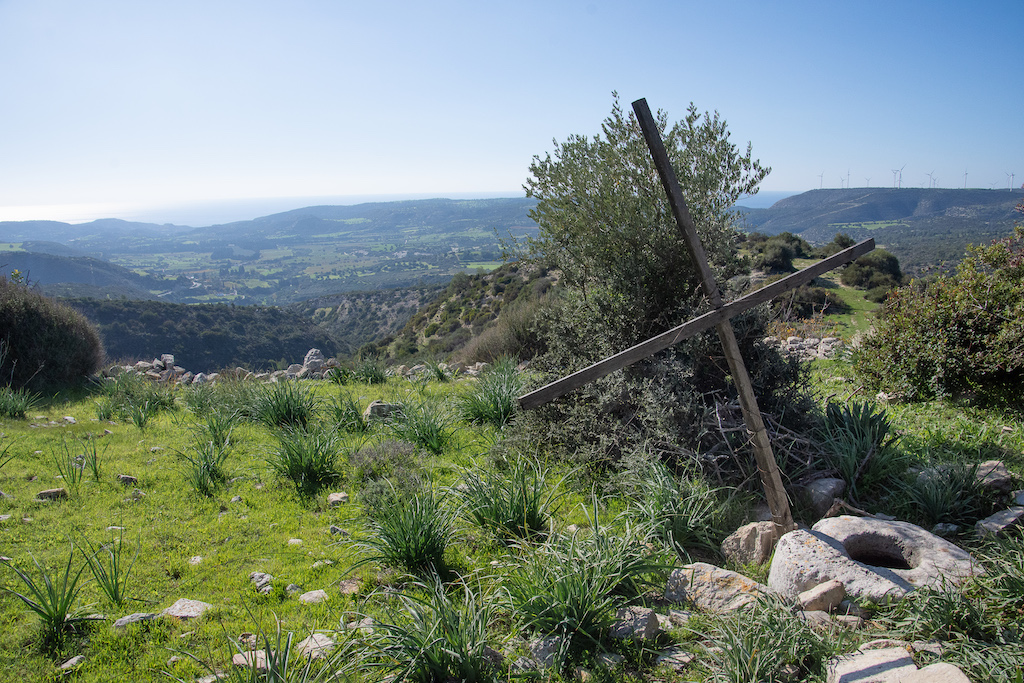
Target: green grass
205,547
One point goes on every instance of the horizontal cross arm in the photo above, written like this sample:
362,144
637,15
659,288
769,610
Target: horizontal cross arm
677,334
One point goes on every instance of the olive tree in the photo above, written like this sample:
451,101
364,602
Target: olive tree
606,224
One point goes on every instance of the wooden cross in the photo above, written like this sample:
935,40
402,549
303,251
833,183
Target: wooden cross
719,318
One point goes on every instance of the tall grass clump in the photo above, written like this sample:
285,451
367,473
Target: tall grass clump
756,646
52,599
683,512
308,459
947,493
427,424
370,371
70,466
432,636
15,403
493,398
45,343
511,505
134,397
203,466
286,404
109,567
571,584
347,414
411,532
861,446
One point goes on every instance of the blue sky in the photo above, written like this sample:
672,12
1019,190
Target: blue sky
131,109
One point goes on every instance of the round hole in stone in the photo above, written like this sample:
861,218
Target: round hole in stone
877,551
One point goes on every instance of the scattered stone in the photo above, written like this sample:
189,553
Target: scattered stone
322,563
945,529
292,588
249,640
1017,498
993,476
366,625
635,623
349,586
825,596
875,560
195,560
253,659
138,494
712,588
821,493
675,658
815,618
751,543
236,499
137,618
127,479
187,609
4,518
939,672
545,651
316,646
1001,522
679,617
379,410
609,660
338,531
337,498
72,663
294,541
885,665
52,494
933,647
262,582
313,597
70,420
850,621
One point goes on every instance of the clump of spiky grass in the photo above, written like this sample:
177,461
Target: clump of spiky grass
861,446
427,424
308,459
70,466
683,512
52,599
370,371
15,403
431,636
494,397
767,637
347,414
108,566
411,532
948,493
570,585
513,504
203,466
287,405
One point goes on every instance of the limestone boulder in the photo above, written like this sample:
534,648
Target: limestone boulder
751,543
712,588
875,559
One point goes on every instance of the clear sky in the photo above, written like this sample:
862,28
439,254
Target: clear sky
129,108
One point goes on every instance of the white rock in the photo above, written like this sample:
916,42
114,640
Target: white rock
825,596
939,672
751,543
313,597
1000,522
316,646
886,665
337,498
635,623
187,609
994,476
712,588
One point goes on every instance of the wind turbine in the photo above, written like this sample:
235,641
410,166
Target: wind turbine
1009,176
965,179
894,172
821,180
867,182
841,180
901,176
930,184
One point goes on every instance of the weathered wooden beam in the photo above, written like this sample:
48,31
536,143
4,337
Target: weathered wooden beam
775,492
644,349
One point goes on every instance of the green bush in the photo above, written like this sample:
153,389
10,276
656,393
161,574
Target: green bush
957,335
308,459
493,399
43,343
861,445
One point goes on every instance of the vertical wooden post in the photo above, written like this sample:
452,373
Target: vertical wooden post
775,492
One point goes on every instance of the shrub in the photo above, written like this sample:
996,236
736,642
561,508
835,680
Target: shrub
370,371
948,493
44,343
962,334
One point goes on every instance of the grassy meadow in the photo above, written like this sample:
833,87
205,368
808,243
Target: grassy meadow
458,535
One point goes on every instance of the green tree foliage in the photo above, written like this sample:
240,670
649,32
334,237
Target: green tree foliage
776,253
878,272
959,334
839,242
43,343
606,224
